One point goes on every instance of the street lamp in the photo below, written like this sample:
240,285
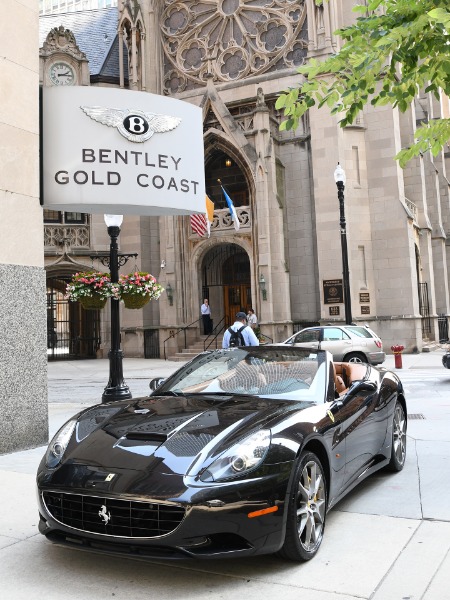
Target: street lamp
116,388
339,177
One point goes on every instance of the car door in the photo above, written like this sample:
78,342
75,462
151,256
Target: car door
363,427
307,338
336,341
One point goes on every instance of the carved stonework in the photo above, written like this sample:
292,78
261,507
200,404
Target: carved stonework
74,236
61,40
230,39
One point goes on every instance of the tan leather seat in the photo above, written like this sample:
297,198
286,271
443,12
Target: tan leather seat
338,381
346,373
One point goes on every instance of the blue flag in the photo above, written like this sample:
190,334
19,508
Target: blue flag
233,212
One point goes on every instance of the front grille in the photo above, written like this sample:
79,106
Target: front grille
107,516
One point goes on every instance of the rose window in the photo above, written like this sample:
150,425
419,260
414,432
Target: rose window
230,39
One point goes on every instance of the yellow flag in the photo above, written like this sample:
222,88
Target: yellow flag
209,209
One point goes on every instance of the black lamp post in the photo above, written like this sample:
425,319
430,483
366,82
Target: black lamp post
116,388
339,177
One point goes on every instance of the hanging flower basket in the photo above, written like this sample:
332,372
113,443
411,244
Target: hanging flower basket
137,289
92,289
94,302
135,300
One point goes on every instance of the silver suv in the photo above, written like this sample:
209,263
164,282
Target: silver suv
347,343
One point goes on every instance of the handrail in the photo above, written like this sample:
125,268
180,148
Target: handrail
172,335
265,337
221,328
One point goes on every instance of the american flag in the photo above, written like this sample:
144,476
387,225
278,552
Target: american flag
198,224
201,223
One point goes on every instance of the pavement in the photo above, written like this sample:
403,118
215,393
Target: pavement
389,539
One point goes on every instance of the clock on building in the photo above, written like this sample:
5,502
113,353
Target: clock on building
61,73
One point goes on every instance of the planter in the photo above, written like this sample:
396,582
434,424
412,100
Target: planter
135,300
94,302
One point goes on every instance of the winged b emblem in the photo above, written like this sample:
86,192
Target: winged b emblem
135,125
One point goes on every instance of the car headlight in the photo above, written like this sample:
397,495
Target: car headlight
241,458
59,443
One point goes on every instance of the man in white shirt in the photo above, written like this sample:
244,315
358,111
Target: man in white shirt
247,333
206,317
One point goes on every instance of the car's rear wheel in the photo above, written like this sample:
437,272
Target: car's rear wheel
306,511
355,357
398,449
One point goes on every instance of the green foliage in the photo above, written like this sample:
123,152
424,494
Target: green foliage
396,49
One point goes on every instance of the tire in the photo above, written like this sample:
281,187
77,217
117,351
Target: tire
355,357
307,509
398,443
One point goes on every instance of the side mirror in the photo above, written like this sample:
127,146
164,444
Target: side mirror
155,383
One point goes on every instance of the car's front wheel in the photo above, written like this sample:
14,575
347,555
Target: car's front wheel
398,450
306,510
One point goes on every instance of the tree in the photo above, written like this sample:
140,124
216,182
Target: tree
395,50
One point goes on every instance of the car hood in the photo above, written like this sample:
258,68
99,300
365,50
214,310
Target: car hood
171,432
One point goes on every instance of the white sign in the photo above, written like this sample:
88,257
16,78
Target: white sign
121,152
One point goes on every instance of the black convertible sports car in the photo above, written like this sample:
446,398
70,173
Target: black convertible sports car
240,452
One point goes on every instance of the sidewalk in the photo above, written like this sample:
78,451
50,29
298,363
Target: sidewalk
389,539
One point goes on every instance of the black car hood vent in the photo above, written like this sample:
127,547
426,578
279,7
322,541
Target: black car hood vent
147,436
145,425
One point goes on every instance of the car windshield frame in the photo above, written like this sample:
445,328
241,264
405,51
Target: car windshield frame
266,372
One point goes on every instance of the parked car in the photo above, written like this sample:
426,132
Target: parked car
348,343
240,452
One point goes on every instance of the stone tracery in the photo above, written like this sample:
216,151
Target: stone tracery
230,39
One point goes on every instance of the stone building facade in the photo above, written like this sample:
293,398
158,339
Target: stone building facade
232,58
23,356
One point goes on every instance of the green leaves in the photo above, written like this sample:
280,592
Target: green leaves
402,47
430,137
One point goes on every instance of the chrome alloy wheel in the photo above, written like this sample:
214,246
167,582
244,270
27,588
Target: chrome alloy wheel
311,506
399,435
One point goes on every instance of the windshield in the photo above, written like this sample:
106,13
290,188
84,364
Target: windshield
269,372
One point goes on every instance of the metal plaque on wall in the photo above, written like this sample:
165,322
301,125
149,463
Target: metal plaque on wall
334,311
365,310
364,297
333,291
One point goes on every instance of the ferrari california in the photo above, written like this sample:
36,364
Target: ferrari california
240,452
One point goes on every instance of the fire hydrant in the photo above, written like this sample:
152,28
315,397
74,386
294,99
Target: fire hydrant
397,350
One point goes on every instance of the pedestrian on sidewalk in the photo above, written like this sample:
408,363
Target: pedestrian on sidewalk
252,319
206,317
240,325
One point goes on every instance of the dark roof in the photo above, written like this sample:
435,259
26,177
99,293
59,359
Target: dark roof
95,32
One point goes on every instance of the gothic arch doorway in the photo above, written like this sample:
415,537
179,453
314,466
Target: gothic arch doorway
226,282
72,332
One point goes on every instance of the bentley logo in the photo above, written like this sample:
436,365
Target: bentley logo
135,125
104,514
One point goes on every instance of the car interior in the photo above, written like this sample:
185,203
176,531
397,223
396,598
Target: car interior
346,373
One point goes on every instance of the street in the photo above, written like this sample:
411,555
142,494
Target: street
388,539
